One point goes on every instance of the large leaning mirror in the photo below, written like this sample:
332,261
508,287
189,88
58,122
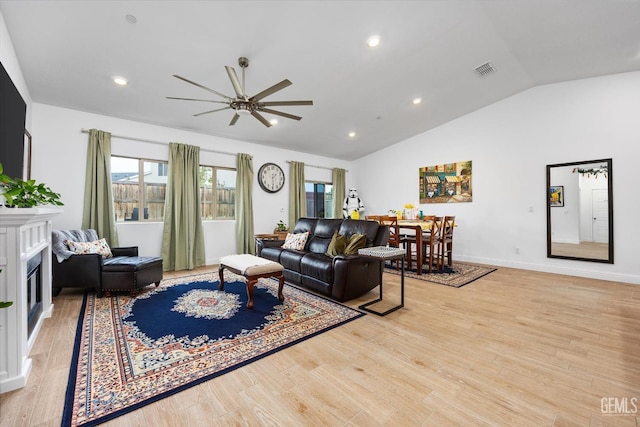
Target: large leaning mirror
580,211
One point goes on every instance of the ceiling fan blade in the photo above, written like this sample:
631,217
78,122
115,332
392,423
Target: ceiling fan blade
261,118
235,82
212,111
281,103
235,118
280,113
273,89
200,86
194,99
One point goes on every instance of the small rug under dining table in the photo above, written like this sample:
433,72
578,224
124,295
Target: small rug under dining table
456,276
132,351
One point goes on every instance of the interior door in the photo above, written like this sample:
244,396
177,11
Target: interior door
600,210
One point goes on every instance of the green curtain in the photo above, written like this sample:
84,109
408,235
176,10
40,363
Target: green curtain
297,193
182,239
98,212
339,183
245,240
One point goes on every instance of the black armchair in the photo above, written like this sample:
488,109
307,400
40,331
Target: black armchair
70,270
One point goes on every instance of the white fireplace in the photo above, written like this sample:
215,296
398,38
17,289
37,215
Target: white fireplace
25,260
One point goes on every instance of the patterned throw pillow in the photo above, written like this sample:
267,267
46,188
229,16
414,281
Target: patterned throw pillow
296,241
100,247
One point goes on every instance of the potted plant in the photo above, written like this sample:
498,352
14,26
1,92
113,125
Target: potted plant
26,194
281,230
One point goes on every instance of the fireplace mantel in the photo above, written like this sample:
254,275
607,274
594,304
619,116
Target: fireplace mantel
24,233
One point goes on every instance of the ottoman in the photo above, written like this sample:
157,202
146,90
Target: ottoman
252,268
130,273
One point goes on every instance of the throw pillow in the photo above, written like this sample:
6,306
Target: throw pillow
356,241
296,241
337,245
100,247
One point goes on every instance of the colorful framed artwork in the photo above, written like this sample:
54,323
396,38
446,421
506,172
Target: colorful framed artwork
556,196
446,183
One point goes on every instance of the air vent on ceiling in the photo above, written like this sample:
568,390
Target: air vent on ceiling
484,69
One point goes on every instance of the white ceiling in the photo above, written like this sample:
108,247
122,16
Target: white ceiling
69,51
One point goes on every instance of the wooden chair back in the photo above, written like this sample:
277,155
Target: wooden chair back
445,241
446,232
392,222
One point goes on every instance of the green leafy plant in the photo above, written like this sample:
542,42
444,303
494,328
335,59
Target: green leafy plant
281,226
27,194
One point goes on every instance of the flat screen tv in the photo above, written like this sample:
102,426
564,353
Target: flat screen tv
13,111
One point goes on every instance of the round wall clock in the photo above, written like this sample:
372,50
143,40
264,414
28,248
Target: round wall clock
271,177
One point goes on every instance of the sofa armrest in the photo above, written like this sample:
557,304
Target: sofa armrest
267,243
125,251
355,275
77,271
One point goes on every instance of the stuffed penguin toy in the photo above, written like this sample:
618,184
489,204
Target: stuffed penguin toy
352,204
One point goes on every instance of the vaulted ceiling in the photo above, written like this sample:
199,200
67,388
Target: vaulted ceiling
70,50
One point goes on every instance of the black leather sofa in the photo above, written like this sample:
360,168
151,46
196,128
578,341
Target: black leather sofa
341,278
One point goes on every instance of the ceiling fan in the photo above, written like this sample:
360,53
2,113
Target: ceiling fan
243,104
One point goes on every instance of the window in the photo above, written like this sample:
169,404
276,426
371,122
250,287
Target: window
217,192
138,186
319,199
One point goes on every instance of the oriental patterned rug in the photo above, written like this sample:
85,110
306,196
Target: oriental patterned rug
130,351
459,274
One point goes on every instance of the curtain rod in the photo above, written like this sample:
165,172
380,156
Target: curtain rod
160,142
319,167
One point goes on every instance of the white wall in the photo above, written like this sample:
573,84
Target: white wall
510,142
59,159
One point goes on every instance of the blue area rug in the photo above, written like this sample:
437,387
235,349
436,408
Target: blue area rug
130,352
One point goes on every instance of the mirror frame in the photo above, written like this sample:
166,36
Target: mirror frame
609,163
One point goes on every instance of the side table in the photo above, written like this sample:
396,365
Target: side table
384,253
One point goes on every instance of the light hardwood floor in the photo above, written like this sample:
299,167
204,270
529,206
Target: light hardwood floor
514,348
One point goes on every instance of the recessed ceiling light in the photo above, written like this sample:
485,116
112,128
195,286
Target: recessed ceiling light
273,122
120,81
352,134
131,19
373,41
417,100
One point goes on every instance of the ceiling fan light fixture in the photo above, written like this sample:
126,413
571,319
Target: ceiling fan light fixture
243,109
243,105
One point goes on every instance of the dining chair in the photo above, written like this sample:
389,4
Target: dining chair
392,223
445,242
430,238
